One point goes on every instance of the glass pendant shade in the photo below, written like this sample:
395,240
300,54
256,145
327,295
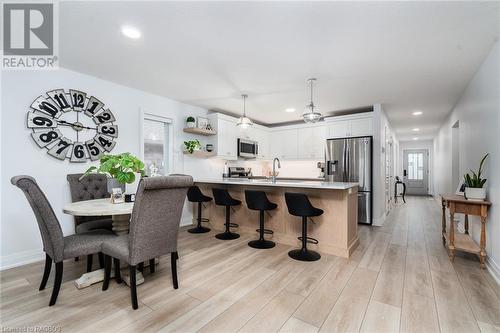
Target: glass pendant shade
244,121
311,115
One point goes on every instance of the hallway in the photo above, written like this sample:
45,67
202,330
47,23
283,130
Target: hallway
399,279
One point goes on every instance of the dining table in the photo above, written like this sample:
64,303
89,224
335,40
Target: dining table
120,213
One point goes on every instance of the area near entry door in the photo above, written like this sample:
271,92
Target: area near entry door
416,171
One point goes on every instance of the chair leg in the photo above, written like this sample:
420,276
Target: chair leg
140,267
89,262
107,272
133,288
151,265
118,276
100,256
173,263
46,272
57,283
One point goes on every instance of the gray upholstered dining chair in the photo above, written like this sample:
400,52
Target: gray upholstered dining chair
154,227
56,246
92,186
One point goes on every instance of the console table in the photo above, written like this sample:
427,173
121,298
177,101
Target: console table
464,242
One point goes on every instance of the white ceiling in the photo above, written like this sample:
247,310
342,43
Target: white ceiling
406,55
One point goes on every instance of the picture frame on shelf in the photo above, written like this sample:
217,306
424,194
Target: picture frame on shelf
202,122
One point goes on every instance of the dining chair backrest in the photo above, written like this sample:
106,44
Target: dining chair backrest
50,229
92,186
156,216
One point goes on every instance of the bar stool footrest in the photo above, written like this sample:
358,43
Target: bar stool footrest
309,240
233,225
204,220
266,231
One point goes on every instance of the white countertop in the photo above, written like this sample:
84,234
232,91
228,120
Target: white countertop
279,183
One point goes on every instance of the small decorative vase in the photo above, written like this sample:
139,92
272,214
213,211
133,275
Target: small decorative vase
190,124
114,183
475,194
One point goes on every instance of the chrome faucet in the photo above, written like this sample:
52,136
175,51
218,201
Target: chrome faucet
273,177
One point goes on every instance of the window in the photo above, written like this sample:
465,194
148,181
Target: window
156,150
415,166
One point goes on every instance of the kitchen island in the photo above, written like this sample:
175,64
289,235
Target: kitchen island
336,230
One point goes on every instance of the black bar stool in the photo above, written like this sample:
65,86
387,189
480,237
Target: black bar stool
299,205
194,194
257,200
222,198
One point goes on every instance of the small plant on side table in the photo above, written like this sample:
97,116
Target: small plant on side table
474,184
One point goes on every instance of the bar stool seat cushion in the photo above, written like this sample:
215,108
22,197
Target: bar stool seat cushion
257,200
222,198
194,194
299,205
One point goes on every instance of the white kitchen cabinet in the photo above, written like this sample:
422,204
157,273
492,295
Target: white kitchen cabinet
227,134
311,143
262,137
339,129
283,144
361,127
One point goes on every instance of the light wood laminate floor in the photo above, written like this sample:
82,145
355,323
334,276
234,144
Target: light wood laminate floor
399,279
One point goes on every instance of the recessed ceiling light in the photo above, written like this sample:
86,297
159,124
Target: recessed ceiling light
415,139
131,32
290,110
416,129
417,113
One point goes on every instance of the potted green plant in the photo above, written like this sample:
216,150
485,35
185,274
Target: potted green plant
474,184
192,145
190,122
120,169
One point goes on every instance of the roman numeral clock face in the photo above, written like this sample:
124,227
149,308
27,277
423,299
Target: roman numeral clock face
72,125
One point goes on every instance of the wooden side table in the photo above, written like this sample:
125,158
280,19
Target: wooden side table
464,242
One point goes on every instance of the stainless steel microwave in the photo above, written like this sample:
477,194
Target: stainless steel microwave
248,148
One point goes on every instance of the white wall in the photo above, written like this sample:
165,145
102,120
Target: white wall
423,144
20,238
380,125
478,111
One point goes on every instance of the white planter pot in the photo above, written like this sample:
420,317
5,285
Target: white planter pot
475,194
113,183
190,124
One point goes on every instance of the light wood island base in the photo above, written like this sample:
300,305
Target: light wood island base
336,230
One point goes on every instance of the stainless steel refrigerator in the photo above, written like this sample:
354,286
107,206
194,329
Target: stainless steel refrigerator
350,160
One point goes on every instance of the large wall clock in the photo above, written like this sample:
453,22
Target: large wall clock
72,125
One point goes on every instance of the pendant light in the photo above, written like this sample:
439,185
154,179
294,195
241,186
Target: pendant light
244,121
311,115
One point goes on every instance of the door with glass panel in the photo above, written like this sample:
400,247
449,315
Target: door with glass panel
415,171
156,145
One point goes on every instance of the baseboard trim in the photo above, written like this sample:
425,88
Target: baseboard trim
20,259
493,269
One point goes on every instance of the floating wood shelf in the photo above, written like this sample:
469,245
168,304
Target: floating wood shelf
200,153
200,131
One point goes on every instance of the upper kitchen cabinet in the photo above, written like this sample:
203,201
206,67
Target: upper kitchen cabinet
311,143
349,126
362,127
227,134
284,144
259,134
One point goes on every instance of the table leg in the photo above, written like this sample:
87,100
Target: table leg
121,224
443,221
451,244
466,224
482,244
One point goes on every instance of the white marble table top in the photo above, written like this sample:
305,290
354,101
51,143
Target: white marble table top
98,207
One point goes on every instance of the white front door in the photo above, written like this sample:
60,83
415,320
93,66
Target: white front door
415,171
